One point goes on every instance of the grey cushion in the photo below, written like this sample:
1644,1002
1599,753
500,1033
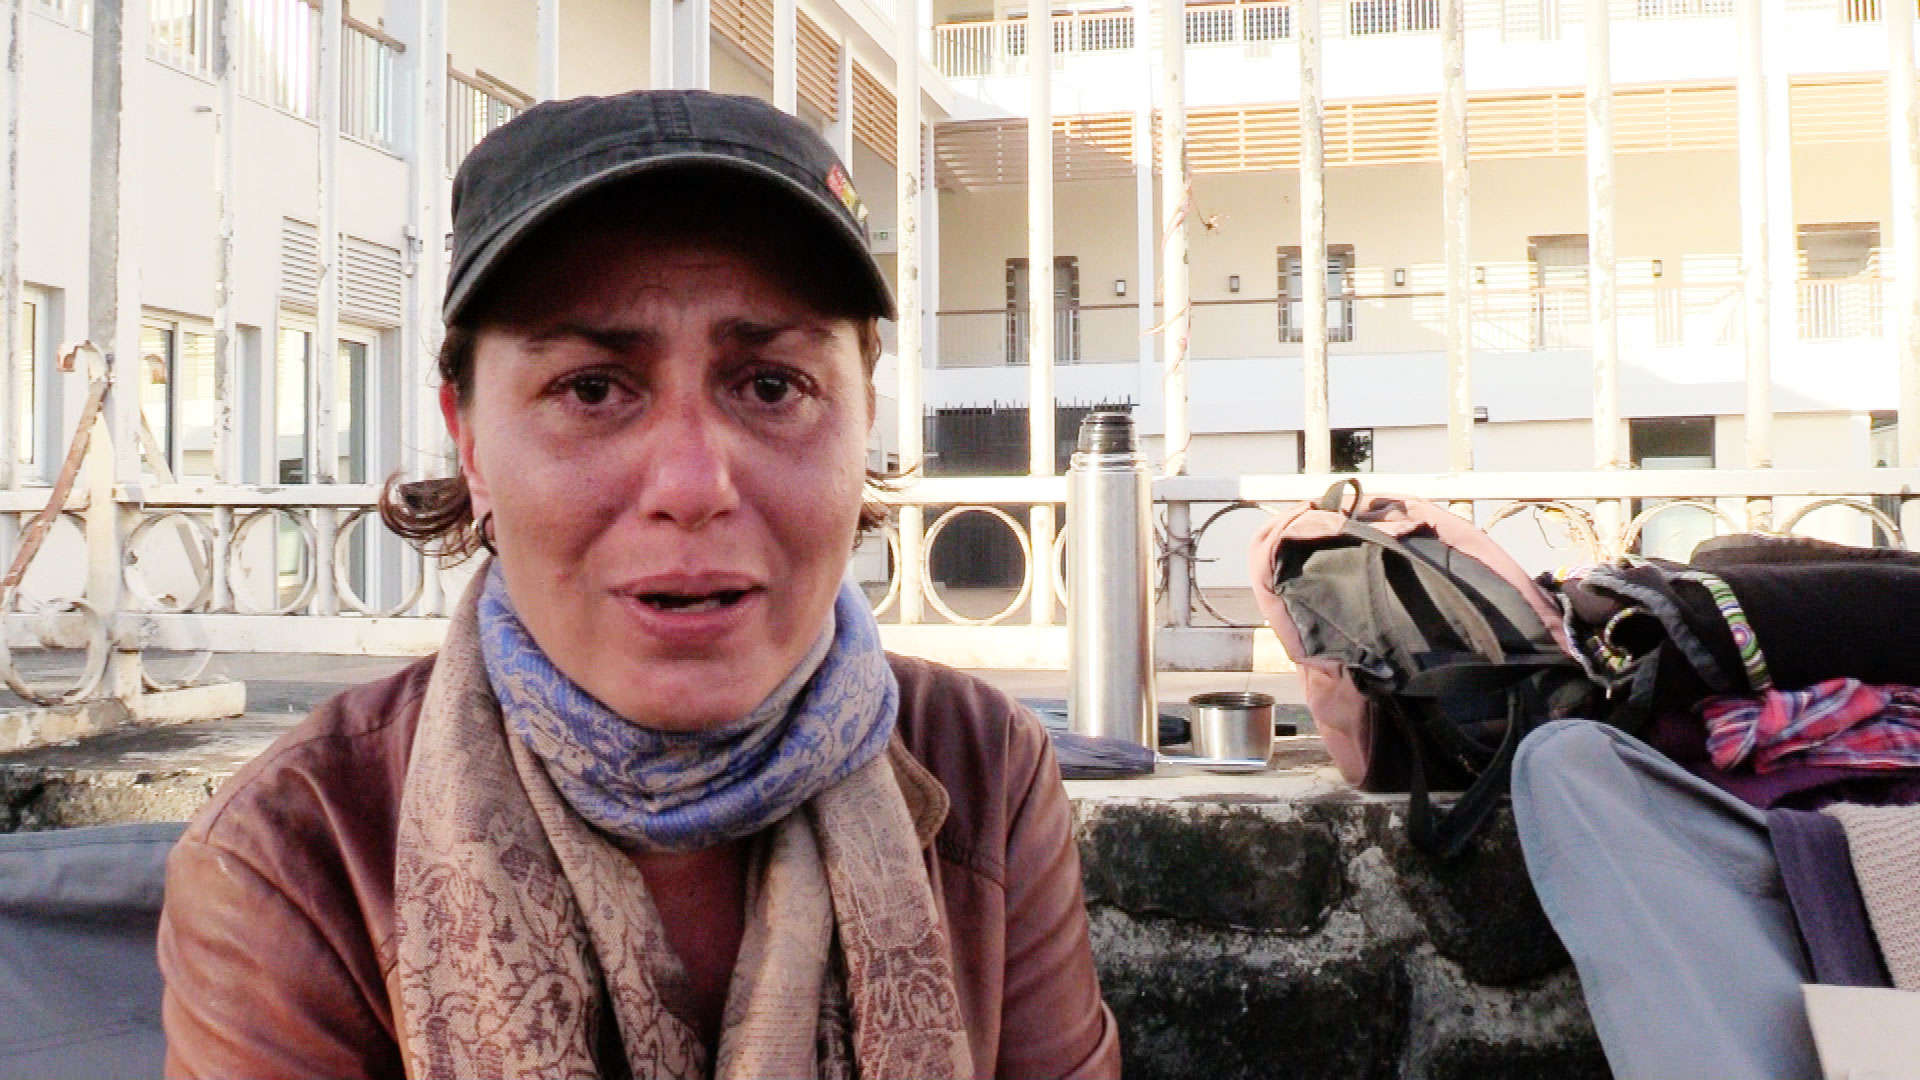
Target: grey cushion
79,982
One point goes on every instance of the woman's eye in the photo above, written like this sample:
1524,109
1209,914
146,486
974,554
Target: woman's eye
591,389
771,387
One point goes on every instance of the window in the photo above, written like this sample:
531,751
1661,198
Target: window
290,415
353,389
1066,310
36,330
1883,447
1339,294
1560,318
1353,450
176,395
1672,442
1839,289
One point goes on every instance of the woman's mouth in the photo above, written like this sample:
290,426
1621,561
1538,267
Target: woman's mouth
680,602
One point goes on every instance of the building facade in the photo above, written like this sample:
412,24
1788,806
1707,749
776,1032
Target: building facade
1475,244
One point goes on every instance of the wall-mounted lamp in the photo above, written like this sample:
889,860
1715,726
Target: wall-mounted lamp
1658,269
1479,414
1400,277
1120,286
1479,275
1233,283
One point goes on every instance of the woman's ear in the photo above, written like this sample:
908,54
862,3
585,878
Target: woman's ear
462,433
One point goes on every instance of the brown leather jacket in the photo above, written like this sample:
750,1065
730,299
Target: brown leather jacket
277,938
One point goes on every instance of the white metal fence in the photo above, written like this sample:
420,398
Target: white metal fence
475,108
180,34
367,63
279,54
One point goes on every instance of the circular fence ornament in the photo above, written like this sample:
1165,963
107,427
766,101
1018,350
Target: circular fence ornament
926,566
97,644
136,579
1881,517
1631,535
1579,522
310,545
893,572
343,566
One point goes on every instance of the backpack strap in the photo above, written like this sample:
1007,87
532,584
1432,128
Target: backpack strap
1337,494
1446,835
1447,594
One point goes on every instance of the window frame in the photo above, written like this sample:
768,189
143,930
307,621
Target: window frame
176,326
1340,255
372,393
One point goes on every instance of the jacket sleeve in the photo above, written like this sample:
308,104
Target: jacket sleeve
254,988
1053,1023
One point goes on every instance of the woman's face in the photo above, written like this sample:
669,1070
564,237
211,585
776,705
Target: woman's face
671,439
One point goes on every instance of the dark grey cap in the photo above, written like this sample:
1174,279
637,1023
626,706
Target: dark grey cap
555,152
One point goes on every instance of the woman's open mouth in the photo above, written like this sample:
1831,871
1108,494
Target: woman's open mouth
693,602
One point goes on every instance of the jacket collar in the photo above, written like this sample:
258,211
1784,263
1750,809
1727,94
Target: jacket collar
927,799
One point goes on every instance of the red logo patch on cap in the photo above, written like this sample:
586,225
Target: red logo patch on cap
842,189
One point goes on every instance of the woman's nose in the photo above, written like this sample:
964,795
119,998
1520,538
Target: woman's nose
688,472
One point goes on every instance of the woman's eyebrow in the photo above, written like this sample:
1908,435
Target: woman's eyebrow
619,339
760,332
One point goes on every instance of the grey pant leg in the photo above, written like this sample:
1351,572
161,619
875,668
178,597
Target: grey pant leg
1667,894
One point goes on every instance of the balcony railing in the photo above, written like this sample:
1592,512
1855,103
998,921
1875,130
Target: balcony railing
982,48
367,62
279,55
180,34
1696,315
475,107
75,13
1839,309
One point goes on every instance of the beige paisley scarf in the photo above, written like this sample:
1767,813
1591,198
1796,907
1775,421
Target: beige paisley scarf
518,926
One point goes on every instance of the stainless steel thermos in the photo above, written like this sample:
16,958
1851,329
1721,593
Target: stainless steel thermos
1110,586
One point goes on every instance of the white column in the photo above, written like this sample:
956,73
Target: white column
929,250
1146,242
325,451
906,89
546,42
225,328
422,24
1756,260
1313,245
1602,291
840,131
692,44
1903,113
1457,239
786,55
660,44
1040,307
113,305
1783,240
1175,202
10,255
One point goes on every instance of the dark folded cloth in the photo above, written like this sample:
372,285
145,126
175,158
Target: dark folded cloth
1818,872
1093,757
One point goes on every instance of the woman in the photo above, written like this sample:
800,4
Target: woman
660,807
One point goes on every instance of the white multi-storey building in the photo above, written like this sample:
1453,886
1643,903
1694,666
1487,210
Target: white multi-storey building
1472,237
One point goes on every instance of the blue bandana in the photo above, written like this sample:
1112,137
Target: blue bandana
671,791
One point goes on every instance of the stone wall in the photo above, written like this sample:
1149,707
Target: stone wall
1272,925
1281,925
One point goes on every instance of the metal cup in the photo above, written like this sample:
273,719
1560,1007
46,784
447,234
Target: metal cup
1232,724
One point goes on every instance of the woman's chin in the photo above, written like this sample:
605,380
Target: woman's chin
682,695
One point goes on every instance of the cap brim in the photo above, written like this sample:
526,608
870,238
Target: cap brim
497,245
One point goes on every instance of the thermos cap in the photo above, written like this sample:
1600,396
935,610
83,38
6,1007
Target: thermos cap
1108,431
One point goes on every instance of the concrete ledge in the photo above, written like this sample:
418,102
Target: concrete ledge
1271,925
1280,924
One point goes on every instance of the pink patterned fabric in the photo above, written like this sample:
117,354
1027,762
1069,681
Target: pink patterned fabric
1840,722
